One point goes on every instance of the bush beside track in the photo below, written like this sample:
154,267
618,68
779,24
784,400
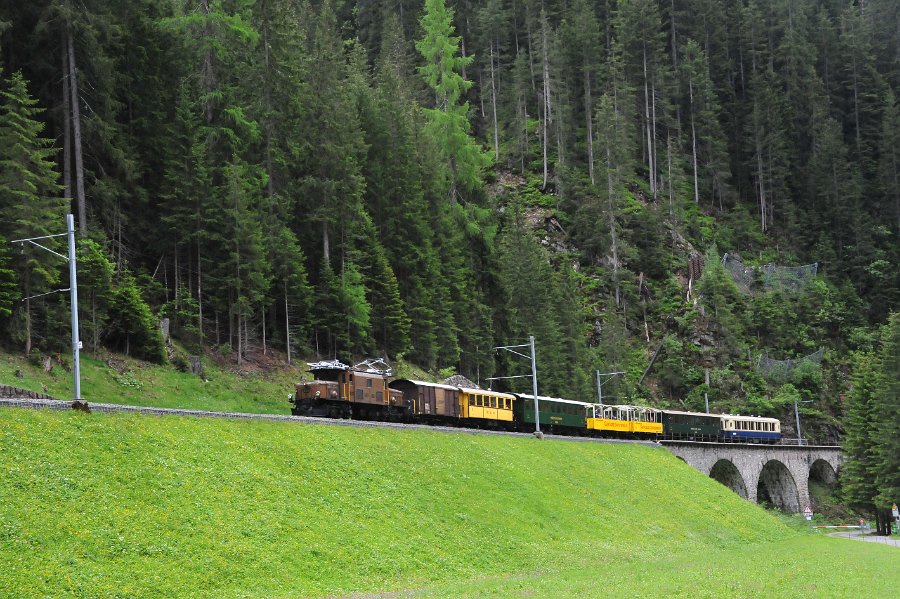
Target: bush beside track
134,505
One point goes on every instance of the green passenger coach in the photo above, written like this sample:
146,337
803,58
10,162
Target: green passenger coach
691,425
555,413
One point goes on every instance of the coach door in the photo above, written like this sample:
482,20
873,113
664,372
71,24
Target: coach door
428,401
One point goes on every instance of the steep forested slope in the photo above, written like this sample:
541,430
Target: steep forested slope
346,178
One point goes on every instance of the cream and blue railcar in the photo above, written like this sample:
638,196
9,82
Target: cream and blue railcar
752,429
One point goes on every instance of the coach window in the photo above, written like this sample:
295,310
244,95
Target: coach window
493,402
471,400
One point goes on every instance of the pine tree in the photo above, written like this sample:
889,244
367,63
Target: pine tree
581,33
9,282
290,281
863,86
615,146
332,183
95,282
835,183
29,191
638,28
889,167
246,273
395,195
524,271
448,122
390,324
886,412
355,309
722,301
708,153
769,160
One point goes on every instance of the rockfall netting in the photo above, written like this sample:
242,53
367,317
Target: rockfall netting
770,277
780,370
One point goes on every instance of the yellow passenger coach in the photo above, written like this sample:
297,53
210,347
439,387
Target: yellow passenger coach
486,405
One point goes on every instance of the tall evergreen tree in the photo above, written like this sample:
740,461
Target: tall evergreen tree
9,283
886,412
708,144
29,193
395,195
769,159
448,122
889,165
639,29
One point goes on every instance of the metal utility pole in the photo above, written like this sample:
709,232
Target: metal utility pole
609,376
512,349
537,418
73,293
73,296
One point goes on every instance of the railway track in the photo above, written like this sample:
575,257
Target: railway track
110,408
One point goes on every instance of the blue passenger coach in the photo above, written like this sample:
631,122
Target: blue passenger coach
753,429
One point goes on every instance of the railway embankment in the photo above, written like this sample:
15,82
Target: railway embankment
103,504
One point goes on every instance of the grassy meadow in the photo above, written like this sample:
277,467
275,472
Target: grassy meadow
259,386
140,506
119,379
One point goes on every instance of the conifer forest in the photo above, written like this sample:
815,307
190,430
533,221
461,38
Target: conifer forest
701,194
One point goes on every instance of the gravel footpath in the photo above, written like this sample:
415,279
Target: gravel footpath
55,404
858,536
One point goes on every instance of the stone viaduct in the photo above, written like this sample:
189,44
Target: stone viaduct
776,474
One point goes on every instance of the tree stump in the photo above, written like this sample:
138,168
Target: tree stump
197,366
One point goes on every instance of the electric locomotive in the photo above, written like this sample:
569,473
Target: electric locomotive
342,391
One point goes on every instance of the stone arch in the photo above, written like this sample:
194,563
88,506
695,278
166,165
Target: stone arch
777,486
822,471
821,484
725,472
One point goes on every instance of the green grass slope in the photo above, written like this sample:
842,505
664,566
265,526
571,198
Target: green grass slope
138,383
130,505
261,386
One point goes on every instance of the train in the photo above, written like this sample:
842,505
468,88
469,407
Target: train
368,391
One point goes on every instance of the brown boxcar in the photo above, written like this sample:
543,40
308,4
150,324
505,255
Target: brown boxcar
429,400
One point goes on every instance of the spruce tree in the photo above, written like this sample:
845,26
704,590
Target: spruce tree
9,282
889,167
448,122
395,195
294,295
96,273
886,413
708,145
858,474
29,193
